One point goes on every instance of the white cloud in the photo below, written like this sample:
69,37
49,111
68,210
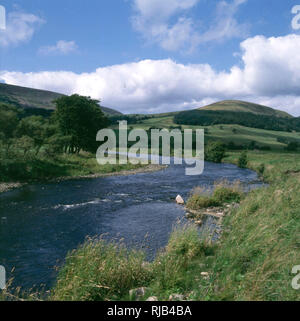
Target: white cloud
152,20
270,75
20,28
62,47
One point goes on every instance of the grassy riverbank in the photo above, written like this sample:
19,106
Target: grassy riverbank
253,260
62,167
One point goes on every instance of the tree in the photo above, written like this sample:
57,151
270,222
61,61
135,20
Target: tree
292,146
26,143
79,118
243,160
34,127
8,123
214,152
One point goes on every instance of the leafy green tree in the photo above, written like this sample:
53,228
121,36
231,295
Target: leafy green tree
214,152
25,143
292,146
8,123
79,118
243,160
34,127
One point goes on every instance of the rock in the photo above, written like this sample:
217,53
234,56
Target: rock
205,275
235,205
176,297
152,298
179,200
137,294
198,222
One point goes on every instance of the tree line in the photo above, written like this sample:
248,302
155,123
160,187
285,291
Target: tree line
71,128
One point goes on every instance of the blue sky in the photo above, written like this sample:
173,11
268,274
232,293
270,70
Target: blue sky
155,56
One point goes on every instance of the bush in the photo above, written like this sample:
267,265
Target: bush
243,160
292,146
261,169
196,202
214,152
223,194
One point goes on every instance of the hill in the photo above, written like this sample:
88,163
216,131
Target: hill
237,124
243,106
29,98
239,113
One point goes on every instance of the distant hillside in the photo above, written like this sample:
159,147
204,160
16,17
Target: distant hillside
243,106
29,98
239,113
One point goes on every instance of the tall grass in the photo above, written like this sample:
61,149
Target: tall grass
223,193
261,246
98,270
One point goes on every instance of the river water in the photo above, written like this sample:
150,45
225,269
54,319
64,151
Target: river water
40,223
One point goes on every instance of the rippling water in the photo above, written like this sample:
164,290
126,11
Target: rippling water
40,223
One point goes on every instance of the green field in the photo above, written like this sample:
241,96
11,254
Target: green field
240,135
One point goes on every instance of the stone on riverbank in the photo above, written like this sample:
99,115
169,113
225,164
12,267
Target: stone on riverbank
179,200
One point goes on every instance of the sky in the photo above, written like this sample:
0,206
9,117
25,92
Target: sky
154,56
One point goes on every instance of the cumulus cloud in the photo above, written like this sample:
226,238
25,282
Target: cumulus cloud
62,47
153,20
270,75
20,28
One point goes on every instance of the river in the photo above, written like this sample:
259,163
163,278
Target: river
40,223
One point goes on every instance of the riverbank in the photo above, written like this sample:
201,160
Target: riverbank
68,167
123,172
5,187
252,260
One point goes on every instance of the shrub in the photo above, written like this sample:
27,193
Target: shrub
223,194
196,202
243,160
261,169
292,146
214,152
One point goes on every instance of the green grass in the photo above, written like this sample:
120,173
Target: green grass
100,271
65,165
240,135
108,271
